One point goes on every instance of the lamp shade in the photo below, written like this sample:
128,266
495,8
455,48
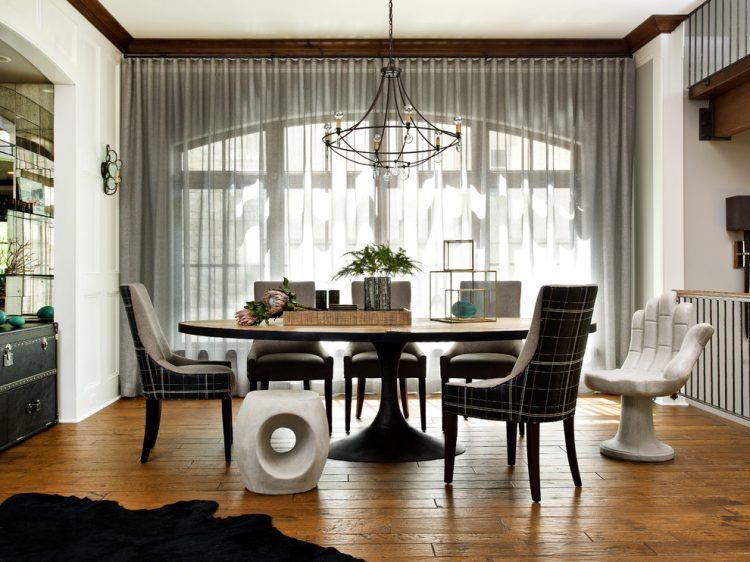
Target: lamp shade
738,212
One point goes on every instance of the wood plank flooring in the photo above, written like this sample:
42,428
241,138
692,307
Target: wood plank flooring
697,505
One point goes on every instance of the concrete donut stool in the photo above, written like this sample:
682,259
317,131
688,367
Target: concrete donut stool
267,471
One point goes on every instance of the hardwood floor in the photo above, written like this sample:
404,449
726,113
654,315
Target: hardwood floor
697,505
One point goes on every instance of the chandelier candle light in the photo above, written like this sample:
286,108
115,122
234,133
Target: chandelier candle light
399,136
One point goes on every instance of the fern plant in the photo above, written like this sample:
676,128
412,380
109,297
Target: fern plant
378,260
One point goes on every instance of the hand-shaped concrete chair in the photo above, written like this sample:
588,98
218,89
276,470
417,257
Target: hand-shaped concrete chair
664,346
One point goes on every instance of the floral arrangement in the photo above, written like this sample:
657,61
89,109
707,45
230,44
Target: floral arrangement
272,305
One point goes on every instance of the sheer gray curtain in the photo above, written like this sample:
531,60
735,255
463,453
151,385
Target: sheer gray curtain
226,182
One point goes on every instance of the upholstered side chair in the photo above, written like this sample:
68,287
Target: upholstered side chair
665,344
361,360
282,361
491,359
541,388
168,376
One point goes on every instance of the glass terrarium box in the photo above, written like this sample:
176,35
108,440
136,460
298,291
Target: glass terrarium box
463,296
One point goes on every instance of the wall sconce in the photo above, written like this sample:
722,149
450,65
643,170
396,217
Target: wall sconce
111,171
738,218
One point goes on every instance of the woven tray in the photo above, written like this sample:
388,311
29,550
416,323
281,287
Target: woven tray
400,317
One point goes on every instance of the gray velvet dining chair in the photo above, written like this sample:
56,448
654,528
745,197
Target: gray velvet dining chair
291,361
165,375
361,360
486,359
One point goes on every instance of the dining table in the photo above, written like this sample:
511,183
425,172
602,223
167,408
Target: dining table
389,438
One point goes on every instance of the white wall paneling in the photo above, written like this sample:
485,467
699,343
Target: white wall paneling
85,69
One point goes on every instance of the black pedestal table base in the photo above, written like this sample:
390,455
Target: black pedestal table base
390,438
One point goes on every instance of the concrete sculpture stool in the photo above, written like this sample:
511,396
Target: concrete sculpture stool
267,471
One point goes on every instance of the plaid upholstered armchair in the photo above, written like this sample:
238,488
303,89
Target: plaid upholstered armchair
167,376
542,387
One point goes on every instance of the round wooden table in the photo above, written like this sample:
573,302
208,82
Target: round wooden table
389,438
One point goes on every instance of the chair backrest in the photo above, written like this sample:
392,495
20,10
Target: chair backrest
400,294
304,290
547,373
657,332
508,305
506,299
144,325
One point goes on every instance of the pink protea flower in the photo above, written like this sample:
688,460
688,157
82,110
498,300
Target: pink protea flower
275,301
244,317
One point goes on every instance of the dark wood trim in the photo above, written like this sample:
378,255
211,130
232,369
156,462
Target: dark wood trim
377,48
651,28
105,22
721,82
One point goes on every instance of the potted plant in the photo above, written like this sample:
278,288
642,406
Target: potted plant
378,263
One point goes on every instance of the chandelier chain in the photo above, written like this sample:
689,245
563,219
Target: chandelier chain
390,31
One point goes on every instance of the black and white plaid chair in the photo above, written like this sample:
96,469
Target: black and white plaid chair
543,386
167,376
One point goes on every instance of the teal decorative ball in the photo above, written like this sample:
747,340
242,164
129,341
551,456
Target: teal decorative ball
463,309
46,313
3,317
16,321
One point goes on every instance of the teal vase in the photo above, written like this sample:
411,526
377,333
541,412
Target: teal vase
463,309
46,313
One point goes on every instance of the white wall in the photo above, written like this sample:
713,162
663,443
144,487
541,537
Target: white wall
714,170
85,69
658,212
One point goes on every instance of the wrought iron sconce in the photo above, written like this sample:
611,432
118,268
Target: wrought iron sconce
111,171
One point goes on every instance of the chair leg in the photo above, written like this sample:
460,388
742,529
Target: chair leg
347,404
264,385
443,382
450,427
510,431
423,403
521,429
570,447
306,385
532,457
360,396
153,418
329,404
226,418
404,397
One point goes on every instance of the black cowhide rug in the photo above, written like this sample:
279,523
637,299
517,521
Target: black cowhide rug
48,527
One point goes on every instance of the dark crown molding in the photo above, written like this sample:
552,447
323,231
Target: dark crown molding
377,47
652,28
98,15
105,22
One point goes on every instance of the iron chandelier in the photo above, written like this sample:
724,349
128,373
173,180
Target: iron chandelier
394,136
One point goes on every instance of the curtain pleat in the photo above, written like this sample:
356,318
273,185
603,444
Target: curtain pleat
226,182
